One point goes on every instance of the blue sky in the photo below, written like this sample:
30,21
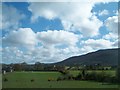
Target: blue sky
51,32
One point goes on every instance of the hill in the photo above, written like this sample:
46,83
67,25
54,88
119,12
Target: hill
107,57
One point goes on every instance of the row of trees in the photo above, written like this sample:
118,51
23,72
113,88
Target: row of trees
50,67
32,67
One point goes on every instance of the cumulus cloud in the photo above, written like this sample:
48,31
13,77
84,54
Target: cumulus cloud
57,37
14,57
10,17
110,36
112,24
72,18
103,12
52,45
41,54
0,16
56,45
93,44
22,37
103,1
88,1
92,26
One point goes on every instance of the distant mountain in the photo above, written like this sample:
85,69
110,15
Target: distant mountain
105,57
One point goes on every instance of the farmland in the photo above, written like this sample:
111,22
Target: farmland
40,80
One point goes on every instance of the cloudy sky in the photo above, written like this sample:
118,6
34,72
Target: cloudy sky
49,32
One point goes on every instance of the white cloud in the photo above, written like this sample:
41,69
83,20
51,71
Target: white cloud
10,17
93,44
14,57
112,24
92,26
103,1
57,45
0,16
23,37
88,1
110,36
104,12
41,54
74,16
53,54
57,37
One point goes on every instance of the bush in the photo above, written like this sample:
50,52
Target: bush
90,76
64,72
111,79
5,80
60,78
32,80
100,77
65,77
78,77
51,79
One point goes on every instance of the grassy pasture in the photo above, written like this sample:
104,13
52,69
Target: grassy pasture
111,72
23,80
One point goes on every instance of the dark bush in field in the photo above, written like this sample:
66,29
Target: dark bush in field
90,76
5,79
78,77
111,80
64,72
65,76
32,80
60,78
100,77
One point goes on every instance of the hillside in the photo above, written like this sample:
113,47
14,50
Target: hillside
103,57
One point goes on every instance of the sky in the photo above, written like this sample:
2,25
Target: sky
49,32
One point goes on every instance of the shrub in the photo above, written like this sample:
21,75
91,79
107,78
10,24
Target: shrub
51,79
64,72
32,80
65,77
60,78
78,77
111,79
5,80
90,76
100,77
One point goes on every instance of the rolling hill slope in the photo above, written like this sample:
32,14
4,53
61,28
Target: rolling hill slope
103,57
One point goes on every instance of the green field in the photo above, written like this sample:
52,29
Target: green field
23,80
110,72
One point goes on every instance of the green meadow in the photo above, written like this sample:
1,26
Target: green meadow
40,80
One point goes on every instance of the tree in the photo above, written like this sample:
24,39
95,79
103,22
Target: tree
17,67
38,66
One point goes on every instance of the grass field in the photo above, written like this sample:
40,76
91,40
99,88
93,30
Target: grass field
23,80
111,72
